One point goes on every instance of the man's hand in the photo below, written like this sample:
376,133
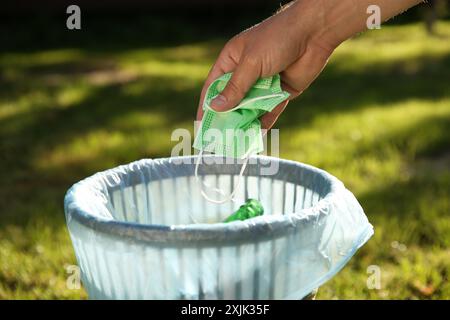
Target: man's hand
285,43
296,42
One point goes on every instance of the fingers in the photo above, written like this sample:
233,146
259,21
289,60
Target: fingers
295,79
299,75
243,78
215,72
268,119
224,64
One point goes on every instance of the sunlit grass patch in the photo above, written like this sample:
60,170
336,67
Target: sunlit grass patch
377,118
406,48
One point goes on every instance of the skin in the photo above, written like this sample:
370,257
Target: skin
295,42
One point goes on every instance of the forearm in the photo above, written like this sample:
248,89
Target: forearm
296,42
339,20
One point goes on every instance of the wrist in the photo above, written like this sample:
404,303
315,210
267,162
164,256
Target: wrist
318,19
339,20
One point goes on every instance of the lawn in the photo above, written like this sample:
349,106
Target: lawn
378,118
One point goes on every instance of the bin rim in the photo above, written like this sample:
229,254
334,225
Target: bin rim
260,228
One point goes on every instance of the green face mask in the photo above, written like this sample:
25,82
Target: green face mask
237,132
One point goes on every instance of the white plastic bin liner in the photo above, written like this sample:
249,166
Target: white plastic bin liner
143,231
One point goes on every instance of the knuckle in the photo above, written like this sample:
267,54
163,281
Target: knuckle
234,88
231,44
251,60
228,46
236,39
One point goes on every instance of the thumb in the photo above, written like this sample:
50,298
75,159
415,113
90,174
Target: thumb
241,81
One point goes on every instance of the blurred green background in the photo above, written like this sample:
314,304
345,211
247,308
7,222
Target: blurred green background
76,102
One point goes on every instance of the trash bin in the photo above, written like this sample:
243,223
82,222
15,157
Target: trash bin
143,231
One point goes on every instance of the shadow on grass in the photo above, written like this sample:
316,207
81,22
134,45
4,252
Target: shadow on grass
413,211
413,208
337,91
28,135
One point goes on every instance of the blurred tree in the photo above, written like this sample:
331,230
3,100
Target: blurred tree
435,10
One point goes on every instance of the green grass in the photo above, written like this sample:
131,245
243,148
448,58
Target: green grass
377,118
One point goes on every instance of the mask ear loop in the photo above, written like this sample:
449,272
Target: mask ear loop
227,198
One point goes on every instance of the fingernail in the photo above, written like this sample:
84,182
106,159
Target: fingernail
218,102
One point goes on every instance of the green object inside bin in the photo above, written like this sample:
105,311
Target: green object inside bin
250,209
